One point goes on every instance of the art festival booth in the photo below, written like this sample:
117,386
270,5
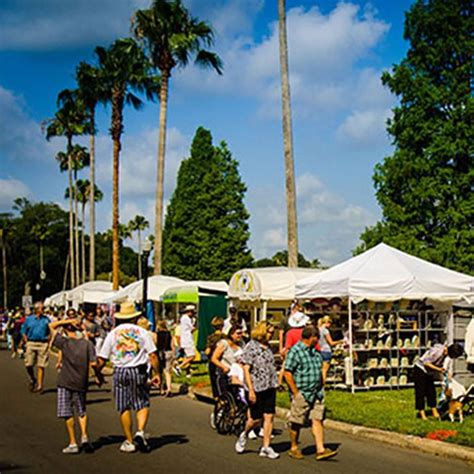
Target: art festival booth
58,300
210,298
91,292
393,307
266,292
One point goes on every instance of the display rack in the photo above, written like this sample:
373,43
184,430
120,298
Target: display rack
384,346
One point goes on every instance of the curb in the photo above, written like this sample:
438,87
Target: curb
437,448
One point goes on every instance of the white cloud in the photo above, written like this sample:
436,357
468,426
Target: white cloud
329,226
10,189
58,24
21,137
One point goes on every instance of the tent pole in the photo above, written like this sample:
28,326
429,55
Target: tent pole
351,354
264,311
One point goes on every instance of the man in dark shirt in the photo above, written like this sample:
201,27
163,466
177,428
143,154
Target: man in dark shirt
35,333
78,355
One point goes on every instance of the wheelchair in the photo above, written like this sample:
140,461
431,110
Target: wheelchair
230,412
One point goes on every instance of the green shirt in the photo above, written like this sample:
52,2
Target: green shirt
305,363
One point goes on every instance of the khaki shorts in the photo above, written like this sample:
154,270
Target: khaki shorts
37,353
301,410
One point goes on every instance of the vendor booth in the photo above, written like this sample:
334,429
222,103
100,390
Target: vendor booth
260,291
92,292
58,300
393,307
209,298
157,285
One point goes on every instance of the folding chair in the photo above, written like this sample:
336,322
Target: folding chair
468,401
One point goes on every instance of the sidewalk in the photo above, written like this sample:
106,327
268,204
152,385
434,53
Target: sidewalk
438,448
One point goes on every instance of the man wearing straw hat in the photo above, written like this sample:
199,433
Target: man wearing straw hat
130,347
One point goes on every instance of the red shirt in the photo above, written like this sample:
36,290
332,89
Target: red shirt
293,336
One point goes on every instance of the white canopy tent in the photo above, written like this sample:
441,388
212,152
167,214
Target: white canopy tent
94,292
157,285
261,288
384,273
58,299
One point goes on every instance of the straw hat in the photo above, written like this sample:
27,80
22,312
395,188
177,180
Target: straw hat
187,308
127,311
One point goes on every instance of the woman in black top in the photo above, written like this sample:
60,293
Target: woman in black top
165,348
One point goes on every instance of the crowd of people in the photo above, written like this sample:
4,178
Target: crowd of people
238,359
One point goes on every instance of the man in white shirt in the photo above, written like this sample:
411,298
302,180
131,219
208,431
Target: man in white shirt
186,338
233,319
130,347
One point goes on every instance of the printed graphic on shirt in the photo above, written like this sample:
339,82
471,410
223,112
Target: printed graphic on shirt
127,344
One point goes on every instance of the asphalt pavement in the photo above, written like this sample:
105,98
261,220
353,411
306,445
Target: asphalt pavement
31,439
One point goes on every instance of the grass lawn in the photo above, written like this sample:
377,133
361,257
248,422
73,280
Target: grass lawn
391,410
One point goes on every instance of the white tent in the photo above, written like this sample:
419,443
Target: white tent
157,285
90,292
58,299
387,274
269,283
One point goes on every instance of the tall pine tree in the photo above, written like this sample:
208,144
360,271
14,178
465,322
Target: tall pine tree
426,187
206,231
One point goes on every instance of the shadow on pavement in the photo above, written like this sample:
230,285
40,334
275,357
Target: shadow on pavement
6,466
98,400
157,443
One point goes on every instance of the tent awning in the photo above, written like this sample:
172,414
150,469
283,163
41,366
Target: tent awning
191,292
384,273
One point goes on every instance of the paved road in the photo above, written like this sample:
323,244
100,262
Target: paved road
31,439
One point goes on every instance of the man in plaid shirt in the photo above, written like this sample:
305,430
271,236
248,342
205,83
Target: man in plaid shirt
303,373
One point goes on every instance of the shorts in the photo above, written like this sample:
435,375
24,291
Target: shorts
265,404
37,353
326,356
166,359
301,410
131,389
70,401
189,351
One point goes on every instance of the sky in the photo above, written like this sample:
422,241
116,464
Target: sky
337,53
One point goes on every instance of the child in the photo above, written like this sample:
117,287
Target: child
78,355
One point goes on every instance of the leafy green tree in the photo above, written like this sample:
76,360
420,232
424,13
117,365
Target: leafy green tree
125,71
6,227
172,37
426,187
280,259
206,231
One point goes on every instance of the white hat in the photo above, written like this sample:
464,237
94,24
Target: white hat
189,307
298,320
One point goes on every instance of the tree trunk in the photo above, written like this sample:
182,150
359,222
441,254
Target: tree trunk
4,268
161,173
83,242
288,141
71,216
117,127
76,232
139,255
92,201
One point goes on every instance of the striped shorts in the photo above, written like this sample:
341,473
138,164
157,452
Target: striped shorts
131,389
70,400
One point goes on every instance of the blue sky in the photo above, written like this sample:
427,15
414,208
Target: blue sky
337,53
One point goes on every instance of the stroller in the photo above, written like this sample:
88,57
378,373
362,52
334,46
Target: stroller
454,398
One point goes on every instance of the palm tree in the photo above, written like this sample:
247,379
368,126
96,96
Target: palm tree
79,158
288,140
171,37
69,121
82,192
139,224
40,232
125,70
91,91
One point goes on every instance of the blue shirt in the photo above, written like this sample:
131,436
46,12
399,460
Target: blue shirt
36,329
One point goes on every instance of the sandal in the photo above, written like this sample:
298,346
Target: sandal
295,454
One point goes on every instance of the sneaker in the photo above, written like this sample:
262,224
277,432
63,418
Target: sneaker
87,446
326,454
212,421
241,443
268,453
177,371
127,447
71,449
260,434
141,442
252,435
